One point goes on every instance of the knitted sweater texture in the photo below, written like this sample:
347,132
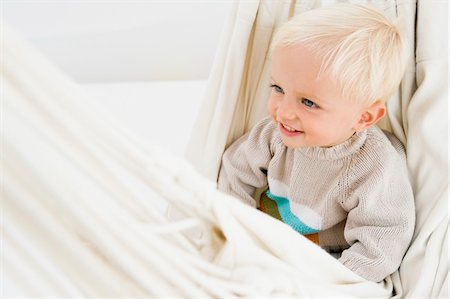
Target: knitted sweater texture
356,195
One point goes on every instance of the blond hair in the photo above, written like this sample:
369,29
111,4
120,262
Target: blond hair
363,50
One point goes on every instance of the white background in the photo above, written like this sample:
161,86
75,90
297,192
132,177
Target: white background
98,41
145,62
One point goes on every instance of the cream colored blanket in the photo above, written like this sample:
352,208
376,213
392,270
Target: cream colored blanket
82,211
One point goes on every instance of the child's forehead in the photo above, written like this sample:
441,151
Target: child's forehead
298,69
299,63
296,58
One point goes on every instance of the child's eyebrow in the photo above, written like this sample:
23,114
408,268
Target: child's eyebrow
304,95
308,96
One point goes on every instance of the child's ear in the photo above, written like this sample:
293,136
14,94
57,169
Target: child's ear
370,116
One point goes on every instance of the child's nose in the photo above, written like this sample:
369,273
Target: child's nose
286,109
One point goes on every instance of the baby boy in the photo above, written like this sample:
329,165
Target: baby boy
332,175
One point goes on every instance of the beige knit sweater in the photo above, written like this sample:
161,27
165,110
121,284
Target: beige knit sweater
356,195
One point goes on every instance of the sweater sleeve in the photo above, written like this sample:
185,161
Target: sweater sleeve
381,215
245,162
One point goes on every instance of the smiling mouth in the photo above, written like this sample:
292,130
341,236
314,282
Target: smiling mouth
289,131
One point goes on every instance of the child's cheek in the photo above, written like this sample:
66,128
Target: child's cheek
271,106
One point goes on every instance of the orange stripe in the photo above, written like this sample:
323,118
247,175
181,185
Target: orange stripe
313,238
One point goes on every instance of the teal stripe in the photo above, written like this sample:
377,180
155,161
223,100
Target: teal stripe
288,217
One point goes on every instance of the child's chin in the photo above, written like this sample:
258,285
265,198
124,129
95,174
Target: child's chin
290,144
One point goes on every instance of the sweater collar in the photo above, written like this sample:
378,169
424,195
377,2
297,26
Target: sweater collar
339,151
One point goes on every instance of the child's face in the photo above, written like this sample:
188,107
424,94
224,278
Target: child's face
308,111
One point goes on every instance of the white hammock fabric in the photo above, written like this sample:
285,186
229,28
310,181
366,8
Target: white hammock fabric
81,217
81,204
418,115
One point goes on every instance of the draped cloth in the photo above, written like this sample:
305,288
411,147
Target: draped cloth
417,114
83,210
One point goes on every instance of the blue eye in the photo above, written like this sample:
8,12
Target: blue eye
309,103
277,88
